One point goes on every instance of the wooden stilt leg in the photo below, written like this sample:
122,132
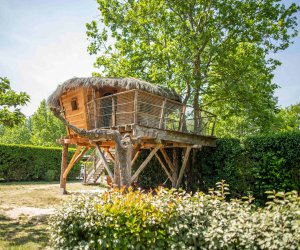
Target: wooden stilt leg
117,177
129,162
176,167
184,164
64,164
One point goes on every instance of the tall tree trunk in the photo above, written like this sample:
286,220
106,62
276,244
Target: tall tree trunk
196,110
123,164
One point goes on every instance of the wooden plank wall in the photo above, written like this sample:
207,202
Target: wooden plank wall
76,117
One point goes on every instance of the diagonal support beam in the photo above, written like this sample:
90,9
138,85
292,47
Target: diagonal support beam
71,164
135,157
164,167
144,164
109,154
185,160
169,162
104,162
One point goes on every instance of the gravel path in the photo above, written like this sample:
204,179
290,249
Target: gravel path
30,212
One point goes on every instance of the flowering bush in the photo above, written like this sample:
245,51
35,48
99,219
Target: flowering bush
173,219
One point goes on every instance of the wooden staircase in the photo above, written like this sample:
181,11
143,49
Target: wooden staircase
94,168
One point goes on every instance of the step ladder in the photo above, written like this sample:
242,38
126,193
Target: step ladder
94,167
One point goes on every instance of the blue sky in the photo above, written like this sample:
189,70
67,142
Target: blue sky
43,43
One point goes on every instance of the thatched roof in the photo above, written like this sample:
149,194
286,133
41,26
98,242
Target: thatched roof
121,83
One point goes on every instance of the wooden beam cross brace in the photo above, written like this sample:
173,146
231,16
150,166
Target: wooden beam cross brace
185,160
76,157
104,162
166,157
109,154
135,157
144,164
164,167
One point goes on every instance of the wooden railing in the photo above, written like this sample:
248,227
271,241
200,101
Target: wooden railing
146,109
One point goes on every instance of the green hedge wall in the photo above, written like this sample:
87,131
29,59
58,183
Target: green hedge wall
30,163
251,166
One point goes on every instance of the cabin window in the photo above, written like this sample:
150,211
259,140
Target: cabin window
74,104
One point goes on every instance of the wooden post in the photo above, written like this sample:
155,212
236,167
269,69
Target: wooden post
162,115
117,172
182,118
176,166
184,164
129,155
95,109
135,115
64,163
113,123
72,162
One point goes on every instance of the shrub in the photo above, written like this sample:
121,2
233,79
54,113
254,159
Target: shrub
173,219
30,163
251,166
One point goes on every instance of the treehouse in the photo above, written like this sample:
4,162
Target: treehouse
118,118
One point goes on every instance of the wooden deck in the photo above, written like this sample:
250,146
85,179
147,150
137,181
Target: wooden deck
148,137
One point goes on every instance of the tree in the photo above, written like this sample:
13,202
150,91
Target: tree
289,118
46,128
216,53
19,134
10,103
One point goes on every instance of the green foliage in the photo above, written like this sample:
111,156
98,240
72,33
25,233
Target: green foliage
171,219
10,103
275,161
289,118
41,129
216,54
254,165
30,163
19,134
46,128
251,166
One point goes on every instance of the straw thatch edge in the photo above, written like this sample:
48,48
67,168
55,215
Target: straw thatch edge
121,83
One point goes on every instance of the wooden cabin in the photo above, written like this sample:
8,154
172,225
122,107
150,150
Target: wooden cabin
119,117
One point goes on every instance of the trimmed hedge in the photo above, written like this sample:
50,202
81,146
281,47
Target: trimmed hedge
254,165
173,219
30,163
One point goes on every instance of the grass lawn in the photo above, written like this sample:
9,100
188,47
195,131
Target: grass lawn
17,229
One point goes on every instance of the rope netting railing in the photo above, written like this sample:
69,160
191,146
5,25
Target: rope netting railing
146,109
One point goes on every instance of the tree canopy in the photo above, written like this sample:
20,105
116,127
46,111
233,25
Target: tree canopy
10,102
42,129
216,53
289,118
46,128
